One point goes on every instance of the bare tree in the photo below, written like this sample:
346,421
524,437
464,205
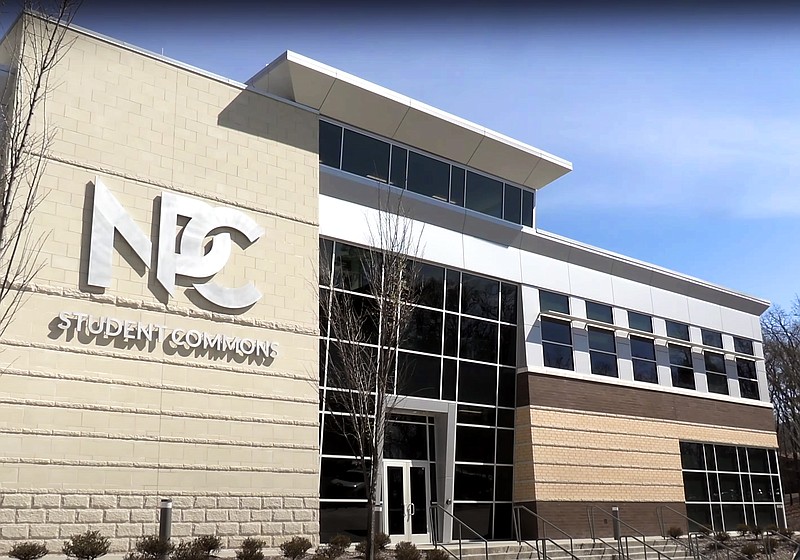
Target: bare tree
34,46
365,334
782,360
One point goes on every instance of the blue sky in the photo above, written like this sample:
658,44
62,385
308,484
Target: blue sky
683,127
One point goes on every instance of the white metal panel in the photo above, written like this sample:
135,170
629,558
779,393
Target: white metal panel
544,272
670,305
590,284
737,322
631,295
704,314
491,259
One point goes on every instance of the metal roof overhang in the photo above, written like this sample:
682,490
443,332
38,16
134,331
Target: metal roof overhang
352,100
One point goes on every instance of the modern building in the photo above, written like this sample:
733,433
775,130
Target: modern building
171,344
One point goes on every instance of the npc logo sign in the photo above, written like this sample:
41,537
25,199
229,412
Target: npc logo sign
192,259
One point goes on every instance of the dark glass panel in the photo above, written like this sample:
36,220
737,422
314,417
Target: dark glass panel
504,483
476,516
743,463
507,387
680,356
508,309
733,516
431,442
601,339
700,516
477,383
478,340
397,175
505,448
432,476
776,489
773,466
603,364
643,348
692,455
475,445
508,345
527,208
480,296
645,371
762,489
558,356
405,440
428,176
713,487
341,478
364,309
743,345
758,460
349,272
555,330
424,332
677,330
346,518
714,362
505,418
450,334
711,462
726,458
765,515
428,285
395,500
334,442
640,322
745,368
717,383
324,305
512,204
730,491
449,380
323,353
712,338
599,312
330,144
325,262
484,195
453,281
419,499
473,482
503,526
418,375
365,156
457,181
749,389
695,487
682,377
550,301
476,415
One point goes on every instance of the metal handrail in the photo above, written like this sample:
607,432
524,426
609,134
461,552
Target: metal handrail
642,540
542,553
696,536
434,507
768,550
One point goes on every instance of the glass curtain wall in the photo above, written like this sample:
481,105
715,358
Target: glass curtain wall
462,348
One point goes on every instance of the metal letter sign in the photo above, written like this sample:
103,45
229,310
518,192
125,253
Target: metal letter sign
192,261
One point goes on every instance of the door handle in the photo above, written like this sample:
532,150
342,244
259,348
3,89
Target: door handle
413,508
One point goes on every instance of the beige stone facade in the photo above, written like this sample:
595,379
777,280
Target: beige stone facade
93,431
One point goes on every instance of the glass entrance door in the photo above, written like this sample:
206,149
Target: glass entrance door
406,495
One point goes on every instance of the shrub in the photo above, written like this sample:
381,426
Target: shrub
743,529
786,532
771,528
436,554
750,550
250,549
208,544
405,550
86,546
199,548
340,542
295,548
382,540
150,548
28,551
721,536
675,531
769,545
756,530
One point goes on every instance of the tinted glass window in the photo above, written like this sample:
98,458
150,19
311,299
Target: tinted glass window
452,287
506,387
557,356
749,389
642,348
712,338
715,363
692,456
397,177
726,458
677,330
429,285
508,311
365,156
508,345
476,415
599,312
743,345
424,332
478,340
554,330
476,516
484,195
512,204
682,377
449,380
341,478
475,445
342,517
330,144
640,322
473,482
717,384
746,368
477,383
349,268
680,356
480,296
405,440
428,176
505,448
450,334
645,371
457,182
550,301
603,364
418,375
601,339
527,208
